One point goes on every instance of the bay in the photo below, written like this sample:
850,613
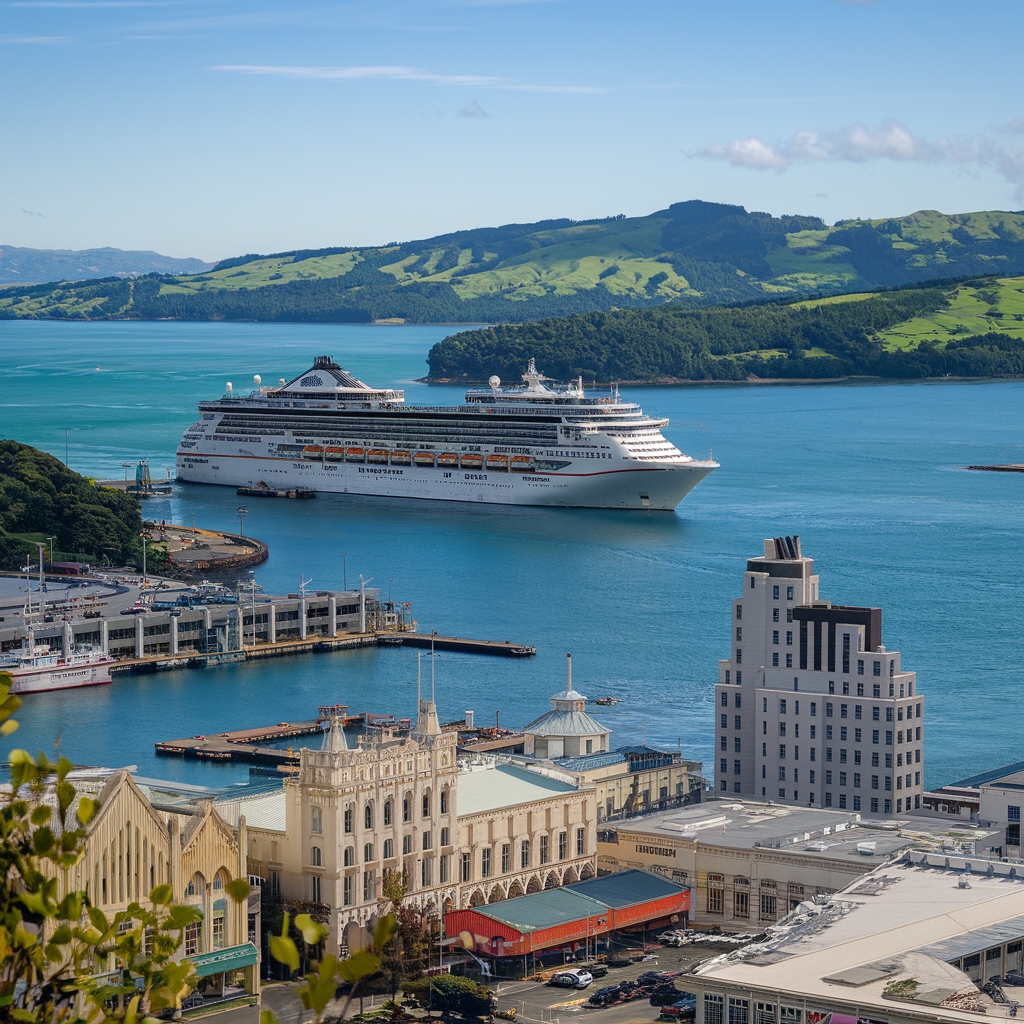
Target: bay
870,476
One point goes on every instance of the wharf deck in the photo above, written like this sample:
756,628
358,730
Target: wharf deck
458,643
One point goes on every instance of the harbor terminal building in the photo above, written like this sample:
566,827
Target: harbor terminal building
811,708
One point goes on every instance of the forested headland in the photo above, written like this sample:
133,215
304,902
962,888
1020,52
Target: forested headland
937,331
40,497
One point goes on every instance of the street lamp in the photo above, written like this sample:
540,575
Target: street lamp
51,540
127,466
145,537
242,513
344,569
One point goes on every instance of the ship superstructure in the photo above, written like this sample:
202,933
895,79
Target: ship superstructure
533,444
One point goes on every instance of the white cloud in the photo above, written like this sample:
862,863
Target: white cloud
857,143
37,40
396,73
472,109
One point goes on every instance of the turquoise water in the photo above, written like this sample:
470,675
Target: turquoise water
871,477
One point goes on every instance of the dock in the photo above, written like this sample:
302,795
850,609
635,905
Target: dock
1011,467
459,643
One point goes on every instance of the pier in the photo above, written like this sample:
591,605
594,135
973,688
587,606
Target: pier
459,643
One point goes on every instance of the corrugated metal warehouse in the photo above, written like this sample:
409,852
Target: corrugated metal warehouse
572,914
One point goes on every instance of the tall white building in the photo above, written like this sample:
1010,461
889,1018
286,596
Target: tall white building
810,708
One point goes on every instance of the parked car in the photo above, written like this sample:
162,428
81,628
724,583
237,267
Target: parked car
665,995
574,978
604,996
598,970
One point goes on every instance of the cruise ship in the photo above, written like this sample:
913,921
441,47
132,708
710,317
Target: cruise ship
532,444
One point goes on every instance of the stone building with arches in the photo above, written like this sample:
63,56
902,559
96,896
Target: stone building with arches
144,835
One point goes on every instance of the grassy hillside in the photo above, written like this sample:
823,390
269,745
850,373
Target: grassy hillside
969,329
694,253
41,497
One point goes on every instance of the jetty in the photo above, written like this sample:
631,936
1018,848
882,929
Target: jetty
459,643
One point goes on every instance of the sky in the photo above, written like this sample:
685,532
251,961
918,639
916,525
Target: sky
225,127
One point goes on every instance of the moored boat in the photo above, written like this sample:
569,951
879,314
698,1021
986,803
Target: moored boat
37,668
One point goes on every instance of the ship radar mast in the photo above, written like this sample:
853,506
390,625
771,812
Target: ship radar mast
533,378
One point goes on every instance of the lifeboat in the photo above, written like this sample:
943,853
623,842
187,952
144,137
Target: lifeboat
472,460
523,464
447,459
423,458
313,451
378,455
355,454
334,454
497,462
401,458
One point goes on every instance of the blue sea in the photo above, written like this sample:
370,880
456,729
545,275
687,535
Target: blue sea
870,476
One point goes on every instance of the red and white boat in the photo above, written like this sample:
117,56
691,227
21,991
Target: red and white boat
37,668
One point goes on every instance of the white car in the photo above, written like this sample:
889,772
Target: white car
575,978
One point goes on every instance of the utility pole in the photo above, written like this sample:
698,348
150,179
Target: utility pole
51,540
42,600
145,537
242,513
344,570
127,466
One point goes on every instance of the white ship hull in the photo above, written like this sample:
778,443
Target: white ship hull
60,678
628,486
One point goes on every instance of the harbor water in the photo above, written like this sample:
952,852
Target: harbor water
871,476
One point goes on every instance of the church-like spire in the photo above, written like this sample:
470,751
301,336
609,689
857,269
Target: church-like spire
427,723
335,739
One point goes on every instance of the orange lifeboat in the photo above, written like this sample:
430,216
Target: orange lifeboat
378,455
523,464
355,454
448,459
424,458
334,454
497,462
313,451
401,458
472,460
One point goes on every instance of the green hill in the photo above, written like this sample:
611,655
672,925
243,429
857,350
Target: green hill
968,329
693,253
41,497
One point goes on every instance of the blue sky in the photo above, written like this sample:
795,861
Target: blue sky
217,128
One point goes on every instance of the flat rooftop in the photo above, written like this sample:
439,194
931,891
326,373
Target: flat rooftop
504,785
816,832
900,922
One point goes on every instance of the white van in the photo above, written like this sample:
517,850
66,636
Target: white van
576,977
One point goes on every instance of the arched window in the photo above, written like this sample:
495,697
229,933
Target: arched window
316,819
368,816
350,856
716,893
218,881
444,800
426,804
314,856
389,849
406,808
348,820
368,852
190,889
387,812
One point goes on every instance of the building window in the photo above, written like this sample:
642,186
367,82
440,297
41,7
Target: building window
543,849
739,678
736,745
314,888
192,937
563,845
739,1011
775,659
874,804
427,871
789,661
445,837
739,633
789,593
860,666
427,840
369,886
741,899
739,656
485,862
524,853
368,816
466,868
581,842
769,901
316,819
406,844
368,853
737,768
789,638
387,812
426,805
876,668
716,893
348,820
506,859
444,800
389,849
856,803
314,856
346,891
714,1012
406,809
443,868
775,637
736,721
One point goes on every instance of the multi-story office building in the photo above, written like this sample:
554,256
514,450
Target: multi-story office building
810,708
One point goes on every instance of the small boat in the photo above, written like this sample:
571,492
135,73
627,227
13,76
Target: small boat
472,460
355,454
401,458
497,462
334,454
36,668
607,701
448,460
313,451
424,458
378,455
523,463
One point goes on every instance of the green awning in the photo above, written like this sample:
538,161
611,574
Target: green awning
233,958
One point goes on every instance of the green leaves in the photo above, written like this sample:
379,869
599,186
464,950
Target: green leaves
282,947
161,895
386,928
311,931
238,889
359,966
319,987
